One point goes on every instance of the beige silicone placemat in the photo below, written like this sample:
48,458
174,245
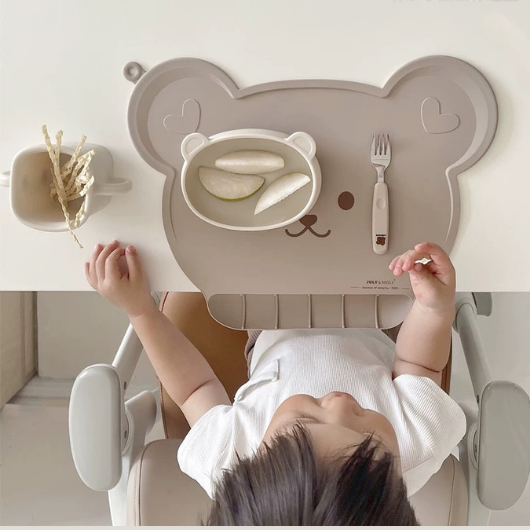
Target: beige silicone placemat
441,115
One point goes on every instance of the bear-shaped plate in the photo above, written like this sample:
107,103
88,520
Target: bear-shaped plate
298,154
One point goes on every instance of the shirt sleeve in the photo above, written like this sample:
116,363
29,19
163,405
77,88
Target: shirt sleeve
204,452
435,424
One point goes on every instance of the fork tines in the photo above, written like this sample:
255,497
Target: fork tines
380,144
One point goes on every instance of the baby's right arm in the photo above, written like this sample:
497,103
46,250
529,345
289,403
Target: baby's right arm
424,340
184,372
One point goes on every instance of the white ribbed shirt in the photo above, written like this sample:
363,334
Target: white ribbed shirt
428,423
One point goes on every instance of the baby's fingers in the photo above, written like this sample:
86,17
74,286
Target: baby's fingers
409,259
112,268
405,262
88,276
92,272
393,263
133,264
102,258
441,265
437,254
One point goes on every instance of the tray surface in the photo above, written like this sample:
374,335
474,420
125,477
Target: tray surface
321,271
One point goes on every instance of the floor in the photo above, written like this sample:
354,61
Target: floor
40,486
39,483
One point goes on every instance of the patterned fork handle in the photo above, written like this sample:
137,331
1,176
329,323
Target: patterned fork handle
380,218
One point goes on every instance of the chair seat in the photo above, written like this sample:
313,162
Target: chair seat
159,494
443,501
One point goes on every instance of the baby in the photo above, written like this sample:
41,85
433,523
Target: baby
333,427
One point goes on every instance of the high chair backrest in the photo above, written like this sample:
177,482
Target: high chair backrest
159,493
222,347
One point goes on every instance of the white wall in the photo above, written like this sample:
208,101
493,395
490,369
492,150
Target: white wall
17,342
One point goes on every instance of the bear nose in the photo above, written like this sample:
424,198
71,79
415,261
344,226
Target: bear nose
308,220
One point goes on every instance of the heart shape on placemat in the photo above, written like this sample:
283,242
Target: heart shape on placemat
434,122
187,122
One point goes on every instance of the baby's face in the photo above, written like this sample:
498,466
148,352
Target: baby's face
335,422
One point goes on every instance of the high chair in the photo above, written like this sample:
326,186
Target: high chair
488,471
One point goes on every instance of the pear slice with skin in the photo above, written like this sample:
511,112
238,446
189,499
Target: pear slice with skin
229,186
250,162
280,189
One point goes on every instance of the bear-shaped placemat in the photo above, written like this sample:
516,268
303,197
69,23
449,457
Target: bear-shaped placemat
321,271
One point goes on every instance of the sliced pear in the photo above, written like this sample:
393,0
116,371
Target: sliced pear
250,162
280,189
229,186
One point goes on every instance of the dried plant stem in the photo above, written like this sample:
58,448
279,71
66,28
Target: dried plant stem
72,181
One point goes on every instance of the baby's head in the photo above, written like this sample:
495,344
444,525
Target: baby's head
322,461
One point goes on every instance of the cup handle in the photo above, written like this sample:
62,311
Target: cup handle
4,178
113,188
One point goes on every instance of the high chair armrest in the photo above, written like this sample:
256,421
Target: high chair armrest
503,452
103,427
97,426
106,433
498,442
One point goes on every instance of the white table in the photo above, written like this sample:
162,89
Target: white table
61,64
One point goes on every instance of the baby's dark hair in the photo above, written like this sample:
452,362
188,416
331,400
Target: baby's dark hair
285,484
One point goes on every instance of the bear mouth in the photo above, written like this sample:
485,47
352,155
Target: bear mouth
304,230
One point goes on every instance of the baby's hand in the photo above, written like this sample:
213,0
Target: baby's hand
433,284
129,289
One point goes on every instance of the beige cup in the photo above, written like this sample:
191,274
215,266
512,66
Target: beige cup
29,182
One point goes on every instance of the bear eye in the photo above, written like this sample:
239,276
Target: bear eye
346,200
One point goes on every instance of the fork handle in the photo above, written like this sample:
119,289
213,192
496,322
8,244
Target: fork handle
380,218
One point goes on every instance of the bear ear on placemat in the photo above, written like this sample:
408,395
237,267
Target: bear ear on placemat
173,100
461,102
188,119
194,73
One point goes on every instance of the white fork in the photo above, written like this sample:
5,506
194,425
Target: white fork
381,155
